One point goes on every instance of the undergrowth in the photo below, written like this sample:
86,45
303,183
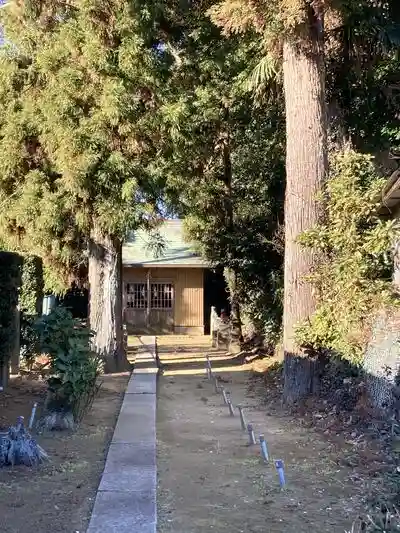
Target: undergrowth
353,277
378,520
74,368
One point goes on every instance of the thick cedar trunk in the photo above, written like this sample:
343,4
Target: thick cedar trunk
105,300
306,166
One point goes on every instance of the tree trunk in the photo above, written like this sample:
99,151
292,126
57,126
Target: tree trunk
4,374
229,273
236,332
306,166
105,299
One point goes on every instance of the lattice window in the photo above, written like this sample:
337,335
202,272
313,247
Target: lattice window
162,295
136,295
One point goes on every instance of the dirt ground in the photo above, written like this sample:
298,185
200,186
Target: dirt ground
58,496
210,479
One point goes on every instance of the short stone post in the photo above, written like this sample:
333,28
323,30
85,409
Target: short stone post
224,396
252,437
281,472
213,327
264,449
242,418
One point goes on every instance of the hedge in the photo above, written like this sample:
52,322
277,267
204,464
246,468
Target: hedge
10,282
31,295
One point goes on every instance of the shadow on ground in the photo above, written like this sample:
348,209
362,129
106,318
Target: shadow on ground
210,479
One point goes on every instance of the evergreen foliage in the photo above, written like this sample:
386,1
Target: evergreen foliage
74,369
108,107
32,284
80,85
354,277
251,246
30,305
223,158
362,62
78,91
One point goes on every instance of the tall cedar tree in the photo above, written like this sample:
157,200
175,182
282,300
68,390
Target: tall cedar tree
363,75
306,167
250,247
78,93
301,23
199,118
214,159
363,65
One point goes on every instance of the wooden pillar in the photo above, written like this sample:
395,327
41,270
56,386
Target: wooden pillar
148,299
124,315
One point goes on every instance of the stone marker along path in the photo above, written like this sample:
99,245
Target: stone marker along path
126,498
211,479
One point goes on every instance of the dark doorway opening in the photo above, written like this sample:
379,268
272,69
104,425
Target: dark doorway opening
76,300
215,295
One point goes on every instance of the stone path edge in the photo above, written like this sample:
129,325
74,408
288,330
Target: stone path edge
126,496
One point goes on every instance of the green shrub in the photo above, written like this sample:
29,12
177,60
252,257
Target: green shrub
353,279
29,342
262,307
30,304
31,295
74,369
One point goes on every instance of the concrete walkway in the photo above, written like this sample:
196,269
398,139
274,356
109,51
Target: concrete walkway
126,498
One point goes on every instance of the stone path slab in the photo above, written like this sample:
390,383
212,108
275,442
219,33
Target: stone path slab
142,478
124,512
145,385
122,456
126,497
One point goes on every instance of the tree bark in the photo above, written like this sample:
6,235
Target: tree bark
105,299
236,331
230,274
306,166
